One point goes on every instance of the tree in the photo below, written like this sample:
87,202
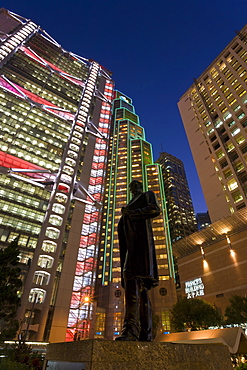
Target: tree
236,312
20,356
241,366
10,284
194,314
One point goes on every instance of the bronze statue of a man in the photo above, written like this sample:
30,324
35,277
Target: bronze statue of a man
138,262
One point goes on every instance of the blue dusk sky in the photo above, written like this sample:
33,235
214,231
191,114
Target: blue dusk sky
154,49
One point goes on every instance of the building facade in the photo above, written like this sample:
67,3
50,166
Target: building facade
55,110
58,129
130,158
214,113
212,262
181,215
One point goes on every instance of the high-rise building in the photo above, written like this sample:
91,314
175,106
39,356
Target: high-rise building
56,120
130,158
214,113
181,215
55,111
203,220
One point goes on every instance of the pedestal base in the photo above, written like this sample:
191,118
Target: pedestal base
100,354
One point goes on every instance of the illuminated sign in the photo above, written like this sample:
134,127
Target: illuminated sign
194,288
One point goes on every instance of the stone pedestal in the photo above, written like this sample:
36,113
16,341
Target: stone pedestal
100,354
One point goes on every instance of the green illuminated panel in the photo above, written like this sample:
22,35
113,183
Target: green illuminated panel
123,113
131,159
122,96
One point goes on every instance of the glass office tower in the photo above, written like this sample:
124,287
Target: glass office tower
181,215
130,158
55,125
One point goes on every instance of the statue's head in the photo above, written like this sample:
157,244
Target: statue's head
135,187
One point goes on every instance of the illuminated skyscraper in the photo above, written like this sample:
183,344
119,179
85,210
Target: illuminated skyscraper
181,215
56,120
214,113
55,111
130,159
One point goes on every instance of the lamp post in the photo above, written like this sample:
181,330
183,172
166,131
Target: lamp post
29,318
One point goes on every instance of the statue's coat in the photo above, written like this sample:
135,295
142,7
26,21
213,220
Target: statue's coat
136,243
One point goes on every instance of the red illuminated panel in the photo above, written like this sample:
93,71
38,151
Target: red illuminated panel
97,196
96,181
14,89
64,188
9,161
38,99
69,335
40,60
90,240
83,241
35,98
100,152
98,166
104,130
91,217
82,267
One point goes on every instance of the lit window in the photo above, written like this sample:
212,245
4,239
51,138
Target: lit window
241,115
236,131
240,139
41,278
220,154
227,173
227,115
232,184
61,198
237,196
210,131
49,246
52,232
45,261
230,147
218,124
36,295
55,220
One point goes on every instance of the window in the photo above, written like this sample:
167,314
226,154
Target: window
49,246
239,166
220,154
210,131
230,124
45,261
36,295
230,147
41,278
227,115
237,196
55,220
232,184
52,232
218,123
235,131
240,139
241,115
227,173
223,163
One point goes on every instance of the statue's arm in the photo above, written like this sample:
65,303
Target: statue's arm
151,210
